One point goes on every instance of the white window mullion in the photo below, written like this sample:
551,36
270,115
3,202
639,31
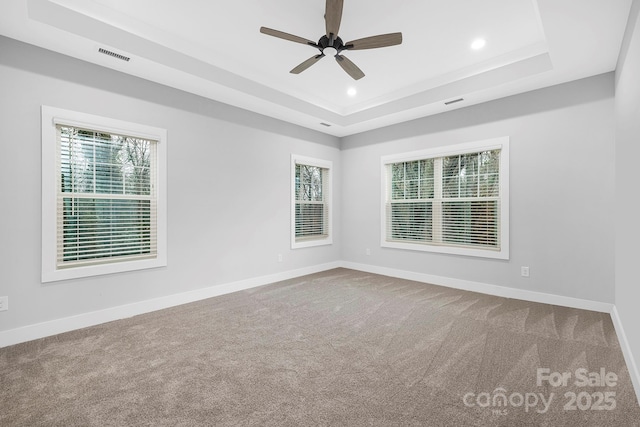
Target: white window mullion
437,200
93,162
479,175
326,196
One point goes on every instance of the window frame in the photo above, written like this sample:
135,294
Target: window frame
501,143
51,117
306,242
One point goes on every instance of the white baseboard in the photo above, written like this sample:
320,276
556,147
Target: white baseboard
626,351
66,324
484,288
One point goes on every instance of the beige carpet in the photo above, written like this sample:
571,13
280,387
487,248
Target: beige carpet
336,348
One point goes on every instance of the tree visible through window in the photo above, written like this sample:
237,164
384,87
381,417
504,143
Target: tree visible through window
470,199
412,188
311,203
310,206
106,197
446,200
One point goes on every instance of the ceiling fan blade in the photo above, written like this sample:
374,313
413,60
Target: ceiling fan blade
383,40
306,64
286,36
351,68
333,16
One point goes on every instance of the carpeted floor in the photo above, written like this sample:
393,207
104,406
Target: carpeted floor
335,348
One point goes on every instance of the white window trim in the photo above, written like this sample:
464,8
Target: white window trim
52,116
501,143
320,241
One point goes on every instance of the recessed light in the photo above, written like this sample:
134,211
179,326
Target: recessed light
478,44
352,92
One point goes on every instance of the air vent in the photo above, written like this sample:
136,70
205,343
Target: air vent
326,124
115,55
454,101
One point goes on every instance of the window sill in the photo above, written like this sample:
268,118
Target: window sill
311,242
450,250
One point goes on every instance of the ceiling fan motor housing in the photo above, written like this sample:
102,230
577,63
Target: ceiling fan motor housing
336,43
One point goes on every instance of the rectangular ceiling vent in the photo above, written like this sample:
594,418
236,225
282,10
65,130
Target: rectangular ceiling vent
115,55
454,101
325,124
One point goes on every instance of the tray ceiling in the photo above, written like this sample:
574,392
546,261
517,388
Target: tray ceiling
215,49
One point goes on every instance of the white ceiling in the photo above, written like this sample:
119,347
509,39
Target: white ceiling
214,49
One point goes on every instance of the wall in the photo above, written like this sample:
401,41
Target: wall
626,207
228,186
561,198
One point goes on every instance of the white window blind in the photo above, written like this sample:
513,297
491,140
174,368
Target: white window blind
311,202
447,203
471,199
311,209
106,200
410,208
104,195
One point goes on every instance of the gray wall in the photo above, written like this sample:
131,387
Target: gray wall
561,189
627,193
228,189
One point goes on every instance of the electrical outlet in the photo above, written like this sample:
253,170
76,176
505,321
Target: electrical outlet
279,257
367,251
524,271
4,303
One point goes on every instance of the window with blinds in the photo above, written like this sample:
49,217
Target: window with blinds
448,201
310,202
103,195
106,199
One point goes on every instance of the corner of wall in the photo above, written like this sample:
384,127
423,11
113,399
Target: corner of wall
632,22
634,373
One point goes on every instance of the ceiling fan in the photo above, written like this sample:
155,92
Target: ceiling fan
330,42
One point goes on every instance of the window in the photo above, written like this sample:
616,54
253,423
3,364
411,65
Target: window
311,202
451,200
103,201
